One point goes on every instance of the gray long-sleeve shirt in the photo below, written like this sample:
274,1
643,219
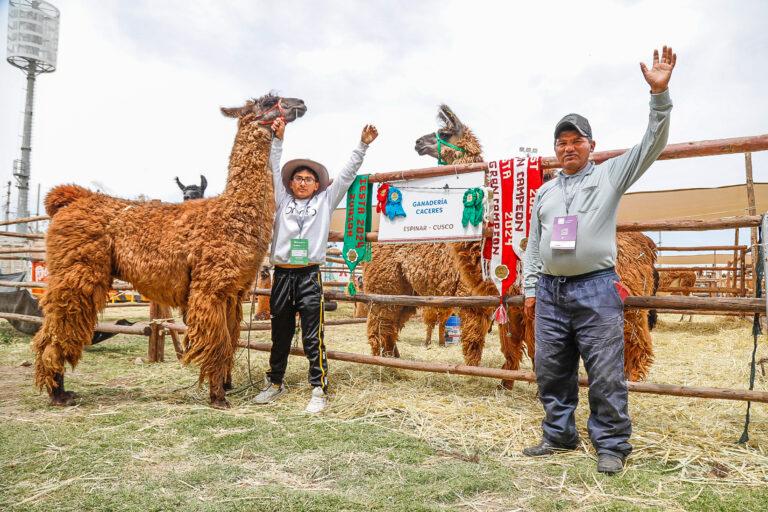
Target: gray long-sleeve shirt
307,218
594,193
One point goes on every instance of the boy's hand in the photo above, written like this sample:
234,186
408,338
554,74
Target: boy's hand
278,128
369,134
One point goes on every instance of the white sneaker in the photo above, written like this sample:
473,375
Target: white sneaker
318,401
269,394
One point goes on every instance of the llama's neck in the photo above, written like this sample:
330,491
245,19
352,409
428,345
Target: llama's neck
473,151
249,180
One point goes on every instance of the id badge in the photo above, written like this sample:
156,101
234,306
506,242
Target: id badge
564,233
299,251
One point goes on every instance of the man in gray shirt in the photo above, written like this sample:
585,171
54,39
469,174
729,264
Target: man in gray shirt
571,286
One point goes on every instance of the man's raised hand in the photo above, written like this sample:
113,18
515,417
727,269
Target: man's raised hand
661,71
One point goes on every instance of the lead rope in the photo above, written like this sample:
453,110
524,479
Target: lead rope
756,331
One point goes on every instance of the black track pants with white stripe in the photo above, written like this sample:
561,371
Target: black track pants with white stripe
298,290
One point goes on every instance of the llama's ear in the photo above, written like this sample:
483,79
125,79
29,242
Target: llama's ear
179,183
452,122
233,111
203,184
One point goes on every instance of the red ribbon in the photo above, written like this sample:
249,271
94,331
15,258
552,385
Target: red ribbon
381,198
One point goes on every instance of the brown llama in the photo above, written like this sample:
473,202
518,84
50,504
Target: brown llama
438,269
404,269
200,256
678,279
476,322
264,280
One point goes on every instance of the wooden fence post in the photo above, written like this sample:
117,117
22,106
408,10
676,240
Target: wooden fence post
165,313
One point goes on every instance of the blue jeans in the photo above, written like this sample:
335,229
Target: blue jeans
582,316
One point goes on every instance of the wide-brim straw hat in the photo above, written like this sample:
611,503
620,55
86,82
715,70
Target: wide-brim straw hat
290,167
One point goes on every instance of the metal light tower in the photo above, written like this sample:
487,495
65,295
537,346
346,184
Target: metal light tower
33,40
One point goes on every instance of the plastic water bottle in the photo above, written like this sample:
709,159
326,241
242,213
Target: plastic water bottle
452,331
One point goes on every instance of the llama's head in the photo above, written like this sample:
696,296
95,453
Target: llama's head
262,111
193,191
451,132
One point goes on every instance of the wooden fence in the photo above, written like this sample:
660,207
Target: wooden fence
670,303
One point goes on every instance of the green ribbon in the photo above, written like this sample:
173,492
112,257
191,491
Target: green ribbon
440,143
357,224
473,207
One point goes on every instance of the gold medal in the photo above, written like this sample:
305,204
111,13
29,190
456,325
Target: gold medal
501,272
352,255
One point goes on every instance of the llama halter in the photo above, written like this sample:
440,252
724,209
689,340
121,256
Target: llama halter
442,142
280,109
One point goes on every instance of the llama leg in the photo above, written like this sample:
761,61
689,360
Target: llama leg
208,339
529,336
70,307
234,318
638,346
511,337
389,340
376,327
402,317
382,329
474,326
441,327
430,327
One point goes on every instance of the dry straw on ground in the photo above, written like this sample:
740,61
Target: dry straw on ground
685,449
471,417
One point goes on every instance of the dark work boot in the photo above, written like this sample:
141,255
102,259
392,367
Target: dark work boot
609,464
546,448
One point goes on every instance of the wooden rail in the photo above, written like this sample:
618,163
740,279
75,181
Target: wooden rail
20,250
671,152
742,221
672,302
32,284
695,269
29,236
704,248
742,304
699,289
24,219
146,328
495,373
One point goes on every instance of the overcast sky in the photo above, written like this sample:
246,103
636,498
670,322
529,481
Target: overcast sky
135,99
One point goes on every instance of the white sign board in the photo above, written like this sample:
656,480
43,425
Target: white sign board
432,211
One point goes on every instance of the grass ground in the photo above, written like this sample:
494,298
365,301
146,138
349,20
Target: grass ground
142,437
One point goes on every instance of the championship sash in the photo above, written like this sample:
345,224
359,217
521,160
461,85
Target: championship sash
357,224
514,183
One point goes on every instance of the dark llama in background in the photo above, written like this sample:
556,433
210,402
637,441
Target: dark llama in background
193,191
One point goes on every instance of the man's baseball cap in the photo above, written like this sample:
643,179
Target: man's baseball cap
574,122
